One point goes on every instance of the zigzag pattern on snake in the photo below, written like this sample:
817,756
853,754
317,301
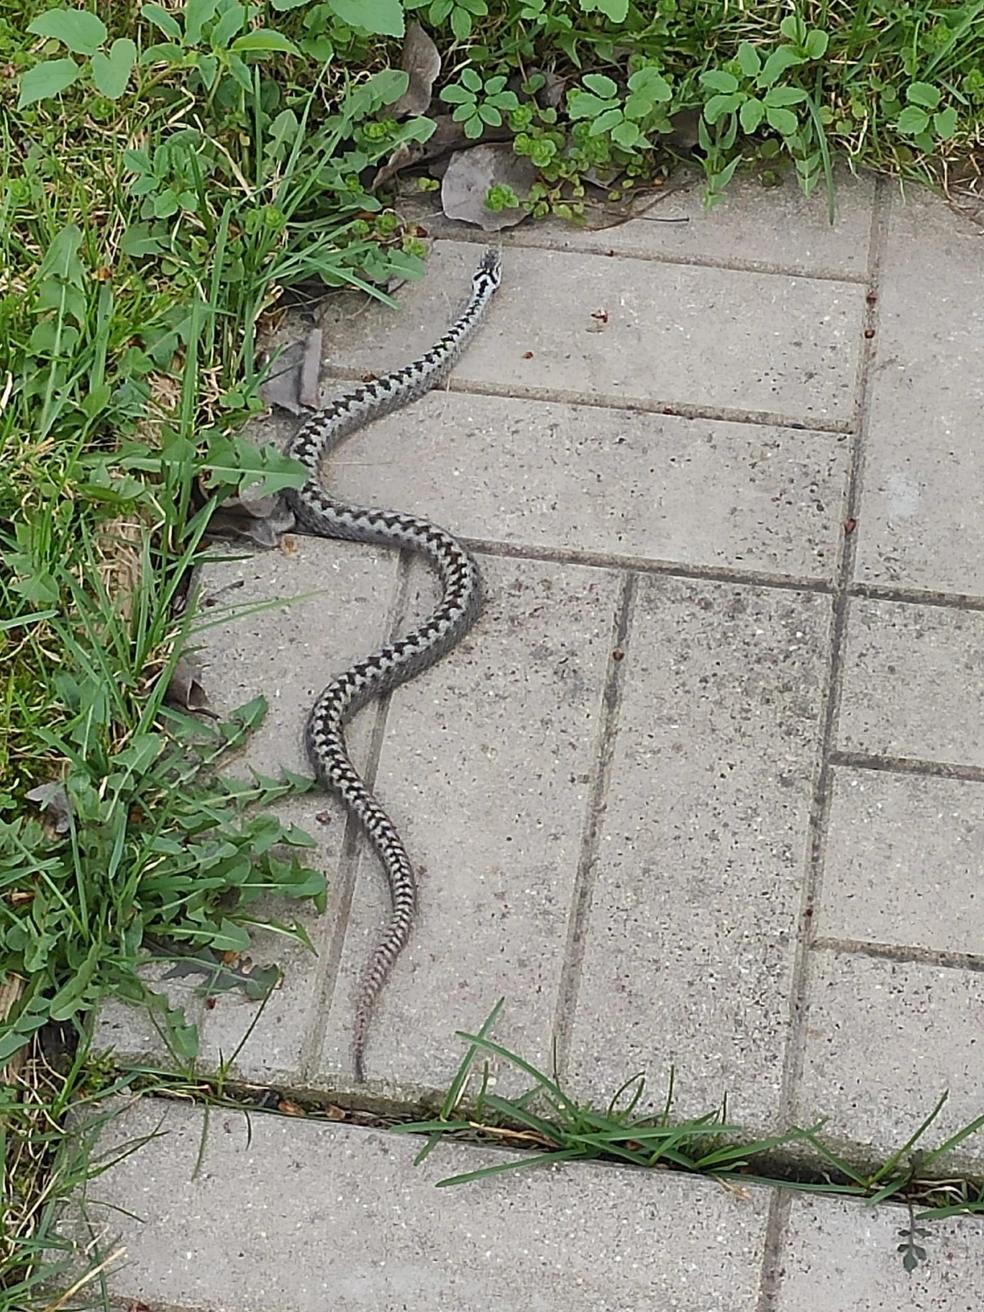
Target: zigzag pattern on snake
318,513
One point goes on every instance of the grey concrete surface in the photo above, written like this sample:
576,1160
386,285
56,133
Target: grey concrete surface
702,790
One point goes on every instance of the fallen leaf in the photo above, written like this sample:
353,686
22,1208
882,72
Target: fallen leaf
53,799
290,1108
473,173
185,691
422,63
261,521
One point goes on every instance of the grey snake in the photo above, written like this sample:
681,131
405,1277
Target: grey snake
395,663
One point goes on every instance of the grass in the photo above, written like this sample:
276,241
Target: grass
165,174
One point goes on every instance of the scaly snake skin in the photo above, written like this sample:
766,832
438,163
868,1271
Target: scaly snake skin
317,512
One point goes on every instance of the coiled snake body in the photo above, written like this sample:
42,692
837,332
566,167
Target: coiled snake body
318,513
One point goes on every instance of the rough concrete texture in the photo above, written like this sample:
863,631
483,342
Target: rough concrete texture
703,788
269,1214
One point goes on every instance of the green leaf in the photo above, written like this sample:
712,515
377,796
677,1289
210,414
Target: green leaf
716,79
651,82
777,63
779,96
720,105
162,19
793,29
816,44
627,135
81,31
582,104
455,95
783,120
264,41
197,14
470,79
945,123
751,115
923,93
46,80
609,119
489,114
112,72
749,59
912,120
601,85
614,10
461,23
381,17
494,85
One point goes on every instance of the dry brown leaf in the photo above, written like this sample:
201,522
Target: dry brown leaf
422,62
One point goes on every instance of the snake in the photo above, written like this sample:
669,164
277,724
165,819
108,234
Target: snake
318,513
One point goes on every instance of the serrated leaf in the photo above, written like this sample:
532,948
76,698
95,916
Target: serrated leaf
923,93
81,31
112,72
381,17
46,80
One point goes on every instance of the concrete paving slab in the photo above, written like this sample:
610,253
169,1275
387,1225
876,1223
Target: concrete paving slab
885,1037
549,476
619,331
486,767
922,517
289,1215
753,227
841,1257
913,683
695,893
904,862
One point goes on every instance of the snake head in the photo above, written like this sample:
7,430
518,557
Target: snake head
488,275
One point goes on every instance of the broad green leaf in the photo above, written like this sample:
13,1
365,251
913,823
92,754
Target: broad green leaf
112,72
582,104
783,120
923,93
720,105
46,80
627,135
197,14
470,79
455,95
749,59
716,79
616,11
601,85
282,5
751,115
778,97
231,23
609,119
945,123
381,17
912,120
793,29
61,259
816,44
81,31
263,41
777,63
162,19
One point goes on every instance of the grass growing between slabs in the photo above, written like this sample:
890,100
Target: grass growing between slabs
166,171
